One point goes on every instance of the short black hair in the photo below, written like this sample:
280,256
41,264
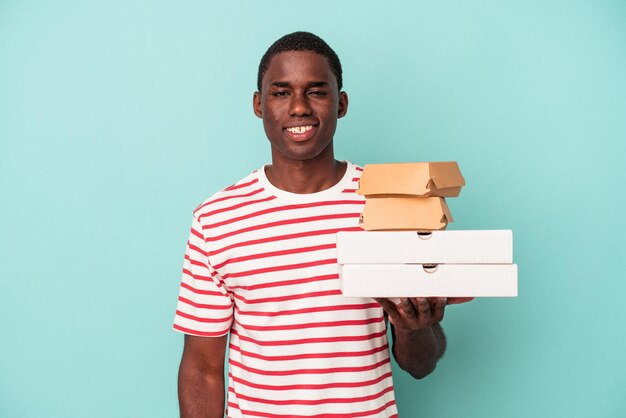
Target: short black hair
301,41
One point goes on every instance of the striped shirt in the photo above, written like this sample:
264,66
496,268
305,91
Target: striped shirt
261,263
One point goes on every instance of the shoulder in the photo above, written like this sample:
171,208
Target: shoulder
357,169
243,190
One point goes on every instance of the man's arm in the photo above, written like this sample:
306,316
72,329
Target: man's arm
418,339
201,377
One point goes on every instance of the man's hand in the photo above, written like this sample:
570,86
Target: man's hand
418,340
414,313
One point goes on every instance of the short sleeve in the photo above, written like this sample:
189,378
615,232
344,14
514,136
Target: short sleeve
204,305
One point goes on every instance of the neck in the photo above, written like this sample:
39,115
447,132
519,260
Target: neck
303,177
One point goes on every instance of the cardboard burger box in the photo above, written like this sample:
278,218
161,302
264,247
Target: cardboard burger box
438,263
408,196
426,179
405,213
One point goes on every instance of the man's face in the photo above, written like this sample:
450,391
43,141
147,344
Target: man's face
299,103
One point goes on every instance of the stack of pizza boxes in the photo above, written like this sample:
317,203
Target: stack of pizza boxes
404,250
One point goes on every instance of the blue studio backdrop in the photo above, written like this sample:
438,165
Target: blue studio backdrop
117,118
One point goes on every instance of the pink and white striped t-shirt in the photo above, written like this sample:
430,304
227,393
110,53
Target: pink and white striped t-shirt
261,264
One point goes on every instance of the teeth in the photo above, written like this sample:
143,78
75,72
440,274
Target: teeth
300,129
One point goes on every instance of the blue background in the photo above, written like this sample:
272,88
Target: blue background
117,118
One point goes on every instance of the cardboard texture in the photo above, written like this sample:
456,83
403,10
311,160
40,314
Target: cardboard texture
405,213
411,280
427,179
401,247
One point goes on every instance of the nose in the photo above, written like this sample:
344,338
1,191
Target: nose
299,105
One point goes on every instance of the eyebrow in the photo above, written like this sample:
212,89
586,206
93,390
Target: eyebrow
311,84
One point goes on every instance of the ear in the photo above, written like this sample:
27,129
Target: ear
343,104
256,104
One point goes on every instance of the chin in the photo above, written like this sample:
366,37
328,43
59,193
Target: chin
301,152
303,155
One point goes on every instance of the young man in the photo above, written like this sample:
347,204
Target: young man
261,267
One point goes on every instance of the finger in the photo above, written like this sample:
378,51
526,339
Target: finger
407,308
439,309
458,300
390,308
432,302
423,311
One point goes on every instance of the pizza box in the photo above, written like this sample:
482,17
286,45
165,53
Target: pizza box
413,280
399,247
405,213
441,179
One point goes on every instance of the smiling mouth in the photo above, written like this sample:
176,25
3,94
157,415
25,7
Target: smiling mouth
299,129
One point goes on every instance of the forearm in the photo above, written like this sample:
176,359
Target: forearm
417,351
200,394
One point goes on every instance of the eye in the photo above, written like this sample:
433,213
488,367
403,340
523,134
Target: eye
279,93
318,93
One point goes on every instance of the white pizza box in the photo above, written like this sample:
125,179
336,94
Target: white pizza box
399,247
446,280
